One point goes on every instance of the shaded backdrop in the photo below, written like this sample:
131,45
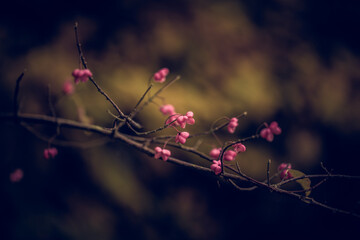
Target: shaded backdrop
296,62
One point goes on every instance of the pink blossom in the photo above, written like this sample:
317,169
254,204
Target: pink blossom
160,76
216,166
50,153
186,119
68,87
16,175
162,153
232,125
229,155
239,147
269,131
284,168
181,137
81,75
167,109
215,153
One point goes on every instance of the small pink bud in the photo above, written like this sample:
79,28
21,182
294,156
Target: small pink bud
215,153
229,155
233,123
167,109
50,153
68,88
17,175
186,119
216,167
181,137
239,147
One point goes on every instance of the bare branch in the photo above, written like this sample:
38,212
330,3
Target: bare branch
16,94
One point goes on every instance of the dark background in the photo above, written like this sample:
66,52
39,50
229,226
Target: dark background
296,62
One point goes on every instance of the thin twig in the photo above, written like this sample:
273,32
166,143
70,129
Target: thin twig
268,172
141,99
155,95
16,94
84,63
242,188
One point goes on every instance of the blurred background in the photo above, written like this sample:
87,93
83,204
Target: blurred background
296,62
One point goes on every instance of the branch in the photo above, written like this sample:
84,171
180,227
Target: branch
141,146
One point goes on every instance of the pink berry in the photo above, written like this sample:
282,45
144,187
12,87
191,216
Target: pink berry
284,168
164,72
181,137
17,175
68,88
76,72
233,123
50,153
167,109
186,119
269,131
275,128
81,75
267,134
160,76
216,167
87,73
239,147
162,153
229,155
215,153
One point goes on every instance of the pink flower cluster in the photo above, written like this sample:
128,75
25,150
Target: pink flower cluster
181,120
50,153
17,175
81,75
176,120
232,125
229,155
160,76
269,131
284,171
188,118
162,153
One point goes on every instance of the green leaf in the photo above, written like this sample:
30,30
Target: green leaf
305,183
